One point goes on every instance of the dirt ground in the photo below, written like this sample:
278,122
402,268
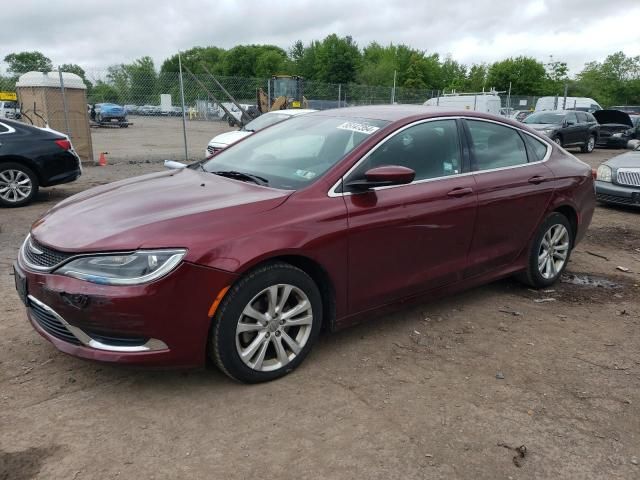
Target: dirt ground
448,389
155,138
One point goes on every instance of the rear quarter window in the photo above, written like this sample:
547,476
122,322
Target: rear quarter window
537,150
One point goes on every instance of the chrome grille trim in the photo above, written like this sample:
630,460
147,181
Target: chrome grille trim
40,258
628,176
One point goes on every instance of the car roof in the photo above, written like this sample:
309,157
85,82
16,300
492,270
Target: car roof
394,113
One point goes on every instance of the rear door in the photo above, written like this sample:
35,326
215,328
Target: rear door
407,239
574,132
514,188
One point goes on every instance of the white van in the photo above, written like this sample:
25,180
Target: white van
480,102
583,104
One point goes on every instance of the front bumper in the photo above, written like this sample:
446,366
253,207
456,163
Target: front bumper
613,142
162,323
622,195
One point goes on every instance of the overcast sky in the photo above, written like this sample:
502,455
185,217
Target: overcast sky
95,34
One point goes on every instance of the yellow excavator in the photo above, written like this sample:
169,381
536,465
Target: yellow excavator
285,91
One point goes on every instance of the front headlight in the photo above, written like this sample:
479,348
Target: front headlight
604,173
548,131
617,135
123,269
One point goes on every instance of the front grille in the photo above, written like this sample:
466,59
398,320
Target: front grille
615,199
49,258
50,323
628,176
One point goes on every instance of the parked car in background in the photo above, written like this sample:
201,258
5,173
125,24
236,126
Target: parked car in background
618,179
223,140
520,115
318,221
483,102
9,109
567,128
617,128
630,109
111,113
583,104
30,158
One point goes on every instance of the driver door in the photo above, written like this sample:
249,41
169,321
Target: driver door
407,239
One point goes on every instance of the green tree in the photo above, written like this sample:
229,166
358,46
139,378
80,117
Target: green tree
337,60
476,80
194,58
103,93
23,62
143,81
614,81
453,74
525,74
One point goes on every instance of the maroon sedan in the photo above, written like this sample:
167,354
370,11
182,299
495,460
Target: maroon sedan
315,222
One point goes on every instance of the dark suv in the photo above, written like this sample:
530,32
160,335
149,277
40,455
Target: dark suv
568,128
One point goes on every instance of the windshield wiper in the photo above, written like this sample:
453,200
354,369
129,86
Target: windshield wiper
242,176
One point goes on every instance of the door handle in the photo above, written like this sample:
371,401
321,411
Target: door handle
536,179
460,192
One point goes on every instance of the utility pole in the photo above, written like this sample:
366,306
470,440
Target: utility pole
393,92
184,115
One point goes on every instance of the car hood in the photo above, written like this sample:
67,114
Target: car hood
175,208
629,159
543,126
619,117
229,137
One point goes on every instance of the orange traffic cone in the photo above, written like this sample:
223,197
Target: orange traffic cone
103,159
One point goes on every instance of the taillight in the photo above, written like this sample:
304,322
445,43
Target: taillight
594,173
63,144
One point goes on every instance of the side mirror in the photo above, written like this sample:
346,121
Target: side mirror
567,123
172,164
383,177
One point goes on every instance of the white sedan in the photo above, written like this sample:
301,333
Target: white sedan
263,121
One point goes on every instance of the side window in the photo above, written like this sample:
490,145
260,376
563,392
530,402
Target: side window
431,149
537,149
571,118
582,117
496,146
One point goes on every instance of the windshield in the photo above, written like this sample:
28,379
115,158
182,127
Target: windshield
545,117
295,153
635,119
263,121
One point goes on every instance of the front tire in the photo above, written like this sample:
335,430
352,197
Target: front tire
549,252
18,184
266,324
558,140
589,145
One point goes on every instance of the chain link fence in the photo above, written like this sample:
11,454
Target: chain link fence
155,124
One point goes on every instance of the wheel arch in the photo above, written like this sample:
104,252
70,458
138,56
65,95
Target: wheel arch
317,273
24,161
572,215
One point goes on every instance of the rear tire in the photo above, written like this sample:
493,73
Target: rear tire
589,145
18,184
549,252
266,324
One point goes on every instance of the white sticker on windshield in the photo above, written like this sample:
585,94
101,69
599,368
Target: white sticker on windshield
305,174
358,127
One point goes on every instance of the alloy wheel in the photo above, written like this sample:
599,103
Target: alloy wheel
553,252
274,327
591,144
558,141
15,185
